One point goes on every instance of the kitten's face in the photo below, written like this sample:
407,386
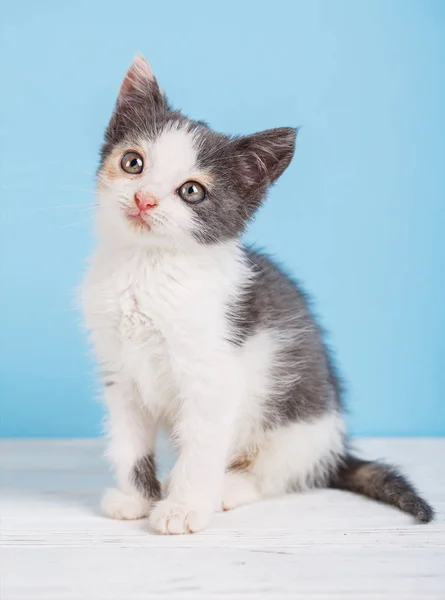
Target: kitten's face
167,180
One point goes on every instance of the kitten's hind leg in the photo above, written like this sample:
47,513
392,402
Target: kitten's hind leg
292,457
240,487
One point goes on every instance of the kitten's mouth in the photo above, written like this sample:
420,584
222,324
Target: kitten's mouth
138,221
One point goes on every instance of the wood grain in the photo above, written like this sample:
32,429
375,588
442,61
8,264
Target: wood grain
322,545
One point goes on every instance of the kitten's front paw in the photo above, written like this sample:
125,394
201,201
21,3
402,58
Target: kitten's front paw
170,517
117,505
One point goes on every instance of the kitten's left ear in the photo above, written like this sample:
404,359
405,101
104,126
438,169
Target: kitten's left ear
139,84
258,160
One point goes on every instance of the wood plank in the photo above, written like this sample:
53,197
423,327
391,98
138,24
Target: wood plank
321,545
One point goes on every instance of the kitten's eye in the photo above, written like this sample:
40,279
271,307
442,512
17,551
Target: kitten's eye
192,191
132,163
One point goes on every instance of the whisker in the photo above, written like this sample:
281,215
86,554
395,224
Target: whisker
79,189
75,223
75,207
84,206
51,190
56,163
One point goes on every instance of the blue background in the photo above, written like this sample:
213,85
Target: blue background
359,216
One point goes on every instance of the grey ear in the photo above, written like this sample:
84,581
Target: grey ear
259,159
139,103
139,84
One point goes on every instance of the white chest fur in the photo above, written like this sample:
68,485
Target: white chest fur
147,309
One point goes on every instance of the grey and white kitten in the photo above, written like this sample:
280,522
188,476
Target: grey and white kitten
199,335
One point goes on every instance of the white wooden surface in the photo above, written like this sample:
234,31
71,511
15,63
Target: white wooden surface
322,545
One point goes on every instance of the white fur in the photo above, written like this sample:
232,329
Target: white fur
155,304
118,505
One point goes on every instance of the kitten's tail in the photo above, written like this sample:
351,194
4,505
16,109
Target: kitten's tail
383,483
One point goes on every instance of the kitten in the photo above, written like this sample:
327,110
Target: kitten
200,335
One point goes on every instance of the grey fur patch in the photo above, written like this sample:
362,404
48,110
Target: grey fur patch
243,169
307,384
144,478
110,383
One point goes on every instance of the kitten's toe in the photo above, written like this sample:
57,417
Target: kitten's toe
117,505
172,518
239,488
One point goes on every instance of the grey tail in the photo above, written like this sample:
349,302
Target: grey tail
383,483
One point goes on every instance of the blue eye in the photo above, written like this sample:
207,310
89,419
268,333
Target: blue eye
132,163
192,192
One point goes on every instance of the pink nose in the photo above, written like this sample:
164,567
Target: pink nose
145,201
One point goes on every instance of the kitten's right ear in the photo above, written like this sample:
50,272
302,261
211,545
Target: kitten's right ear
139,84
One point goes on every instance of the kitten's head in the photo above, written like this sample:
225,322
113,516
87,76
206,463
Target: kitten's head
167,180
